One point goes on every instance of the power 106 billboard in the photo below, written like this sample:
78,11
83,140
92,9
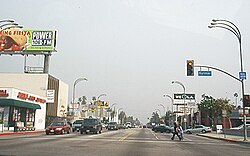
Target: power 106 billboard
27,40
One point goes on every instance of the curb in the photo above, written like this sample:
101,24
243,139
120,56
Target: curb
19,133
223,139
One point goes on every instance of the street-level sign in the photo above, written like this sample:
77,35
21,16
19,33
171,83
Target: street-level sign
204,73
243,75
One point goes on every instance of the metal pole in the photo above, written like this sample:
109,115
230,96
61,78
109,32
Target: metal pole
228,25
73,97
184,89
172,116
46,63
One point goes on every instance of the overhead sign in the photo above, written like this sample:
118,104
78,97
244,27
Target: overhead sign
50,96
204,73
243,75
179,98
27,40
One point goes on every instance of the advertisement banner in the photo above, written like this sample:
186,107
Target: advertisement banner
179,98
27,40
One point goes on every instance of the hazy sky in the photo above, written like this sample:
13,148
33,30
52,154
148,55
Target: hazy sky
131,50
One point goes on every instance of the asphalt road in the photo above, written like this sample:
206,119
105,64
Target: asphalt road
129,142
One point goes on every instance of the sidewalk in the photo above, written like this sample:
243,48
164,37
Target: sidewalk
229,138
7,133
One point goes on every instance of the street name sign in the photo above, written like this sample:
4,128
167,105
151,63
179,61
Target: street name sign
243,75
204,73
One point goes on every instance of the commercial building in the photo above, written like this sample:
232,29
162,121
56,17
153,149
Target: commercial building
23,99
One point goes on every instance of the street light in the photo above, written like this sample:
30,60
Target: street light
74,87
158,111
228,25
100,96
164,109
184,94
8,24
172,100
118,114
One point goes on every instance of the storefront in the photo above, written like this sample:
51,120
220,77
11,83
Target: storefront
19,108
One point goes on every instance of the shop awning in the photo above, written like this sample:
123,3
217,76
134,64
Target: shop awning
12,102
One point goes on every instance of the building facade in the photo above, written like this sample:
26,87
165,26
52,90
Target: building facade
28,87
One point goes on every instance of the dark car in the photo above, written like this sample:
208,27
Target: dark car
58,127
113,126
91,125
77,125
163,128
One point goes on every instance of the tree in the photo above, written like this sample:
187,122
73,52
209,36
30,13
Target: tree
155,118
82,100
122,116
212,108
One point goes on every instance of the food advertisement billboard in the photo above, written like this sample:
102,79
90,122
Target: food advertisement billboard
27,40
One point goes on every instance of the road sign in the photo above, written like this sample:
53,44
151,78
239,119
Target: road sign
243,75
204,73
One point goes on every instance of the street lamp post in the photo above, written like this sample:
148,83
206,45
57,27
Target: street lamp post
118,114
111,107
101,107
172,101
164,113
184,94
158,111
228,25
8,24
74,87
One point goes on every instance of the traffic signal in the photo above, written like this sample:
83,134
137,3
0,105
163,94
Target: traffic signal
246,101
190,67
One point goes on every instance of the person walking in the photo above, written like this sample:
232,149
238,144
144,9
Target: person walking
175,132
180,131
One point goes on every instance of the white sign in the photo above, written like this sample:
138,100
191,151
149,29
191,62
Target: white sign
50,96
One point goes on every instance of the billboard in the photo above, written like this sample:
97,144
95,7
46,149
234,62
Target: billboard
179,98
27,40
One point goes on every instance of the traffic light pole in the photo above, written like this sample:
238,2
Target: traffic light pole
243,93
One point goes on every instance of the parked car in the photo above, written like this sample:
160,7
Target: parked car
198,129
121,126
163,129
91,125
58,127
113,126
241,127
77,125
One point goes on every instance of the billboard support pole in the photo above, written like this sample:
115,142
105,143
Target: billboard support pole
46,63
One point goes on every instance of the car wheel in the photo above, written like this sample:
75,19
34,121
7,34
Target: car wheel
47,133
81,132
188,132
68,131
100,132
96,132
203,131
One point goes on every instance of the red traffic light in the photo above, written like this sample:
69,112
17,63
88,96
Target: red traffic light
190,67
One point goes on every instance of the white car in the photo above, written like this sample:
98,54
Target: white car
241,127
198,129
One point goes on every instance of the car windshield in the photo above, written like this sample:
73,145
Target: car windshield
78,122
57,124
112,123
90,121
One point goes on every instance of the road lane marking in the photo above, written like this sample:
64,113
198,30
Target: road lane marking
155,136
126,136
